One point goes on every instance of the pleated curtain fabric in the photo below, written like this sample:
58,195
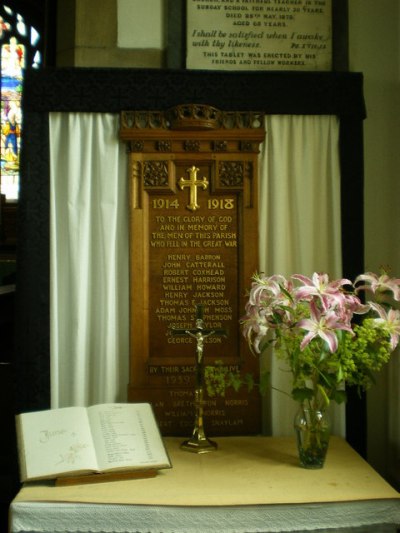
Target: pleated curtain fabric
299,208
300,228
89,260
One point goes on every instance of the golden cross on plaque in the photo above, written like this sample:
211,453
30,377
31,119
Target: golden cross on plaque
193,183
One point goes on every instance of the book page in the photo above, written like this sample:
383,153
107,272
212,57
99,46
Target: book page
127,436
55,442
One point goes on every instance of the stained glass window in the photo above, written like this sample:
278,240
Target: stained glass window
20,48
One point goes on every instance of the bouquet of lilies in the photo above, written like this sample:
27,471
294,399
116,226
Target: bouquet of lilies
323,329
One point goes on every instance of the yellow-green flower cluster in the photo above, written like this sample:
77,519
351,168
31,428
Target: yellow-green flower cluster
364,353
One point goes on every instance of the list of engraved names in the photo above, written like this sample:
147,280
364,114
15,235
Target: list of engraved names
193,260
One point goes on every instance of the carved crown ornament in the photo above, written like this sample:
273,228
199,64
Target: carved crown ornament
192,128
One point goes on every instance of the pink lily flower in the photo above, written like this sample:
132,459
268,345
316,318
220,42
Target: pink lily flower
390,321
319,285
377,284
322,325
354,305
265,288
255,326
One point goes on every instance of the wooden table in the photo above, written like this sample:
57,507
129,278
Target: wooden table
251,484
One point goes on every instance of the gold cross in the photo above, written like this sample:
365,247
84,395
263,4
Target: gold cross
193,183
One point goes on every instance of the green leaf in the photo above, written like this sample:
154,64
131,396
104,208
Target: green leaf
265,344
235,382
301,394
339,373
371,376
329,379
286,308
340,396
285,292
249,381
324,394
264,382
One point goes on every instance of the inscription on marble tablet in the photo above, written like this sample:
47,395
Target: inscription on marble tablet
259,34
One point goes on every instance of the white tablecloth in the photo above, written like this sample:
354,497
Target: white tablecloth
251,484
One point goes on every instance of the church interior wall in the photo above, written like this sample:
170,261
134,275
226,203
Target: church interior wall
374,50
126,33
134,34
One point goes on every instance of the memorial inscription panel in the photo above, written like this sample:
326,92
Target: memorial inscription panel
193,242
259,34
193,259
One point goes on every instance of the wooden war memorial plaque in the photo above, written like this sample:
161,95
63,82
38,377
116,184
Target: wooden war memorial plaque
193,174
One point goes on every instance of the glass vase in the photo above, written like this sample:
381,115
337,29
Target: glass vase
312,427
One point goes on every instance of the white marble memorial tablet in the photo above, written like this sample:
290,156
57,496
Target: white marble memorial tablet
259,34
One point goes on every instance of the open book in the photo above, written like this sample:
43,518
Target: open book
105,438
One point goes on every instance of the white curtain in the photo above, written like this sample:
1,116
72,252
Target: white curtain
300,230
89,260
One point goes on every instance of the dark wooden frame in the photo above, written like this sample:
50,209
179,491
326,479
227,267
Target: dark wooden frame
113,90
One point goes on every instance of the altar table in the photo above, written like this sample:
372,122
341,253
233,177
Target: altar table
250,484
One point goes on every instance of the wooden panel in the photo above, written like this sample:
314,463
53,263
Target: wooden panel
193,240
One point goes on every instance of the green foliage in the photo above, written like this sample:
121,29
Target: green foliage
219,378
318,375
325,334
356,360
364,354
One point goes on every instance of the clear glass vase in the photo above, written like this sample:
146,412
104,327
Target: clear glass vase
312,427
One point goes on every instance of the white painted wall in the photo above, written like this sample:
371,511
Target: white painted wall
374,49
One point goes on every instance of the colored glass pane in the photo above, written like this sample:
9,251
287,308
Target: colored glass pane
12,63
19,49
